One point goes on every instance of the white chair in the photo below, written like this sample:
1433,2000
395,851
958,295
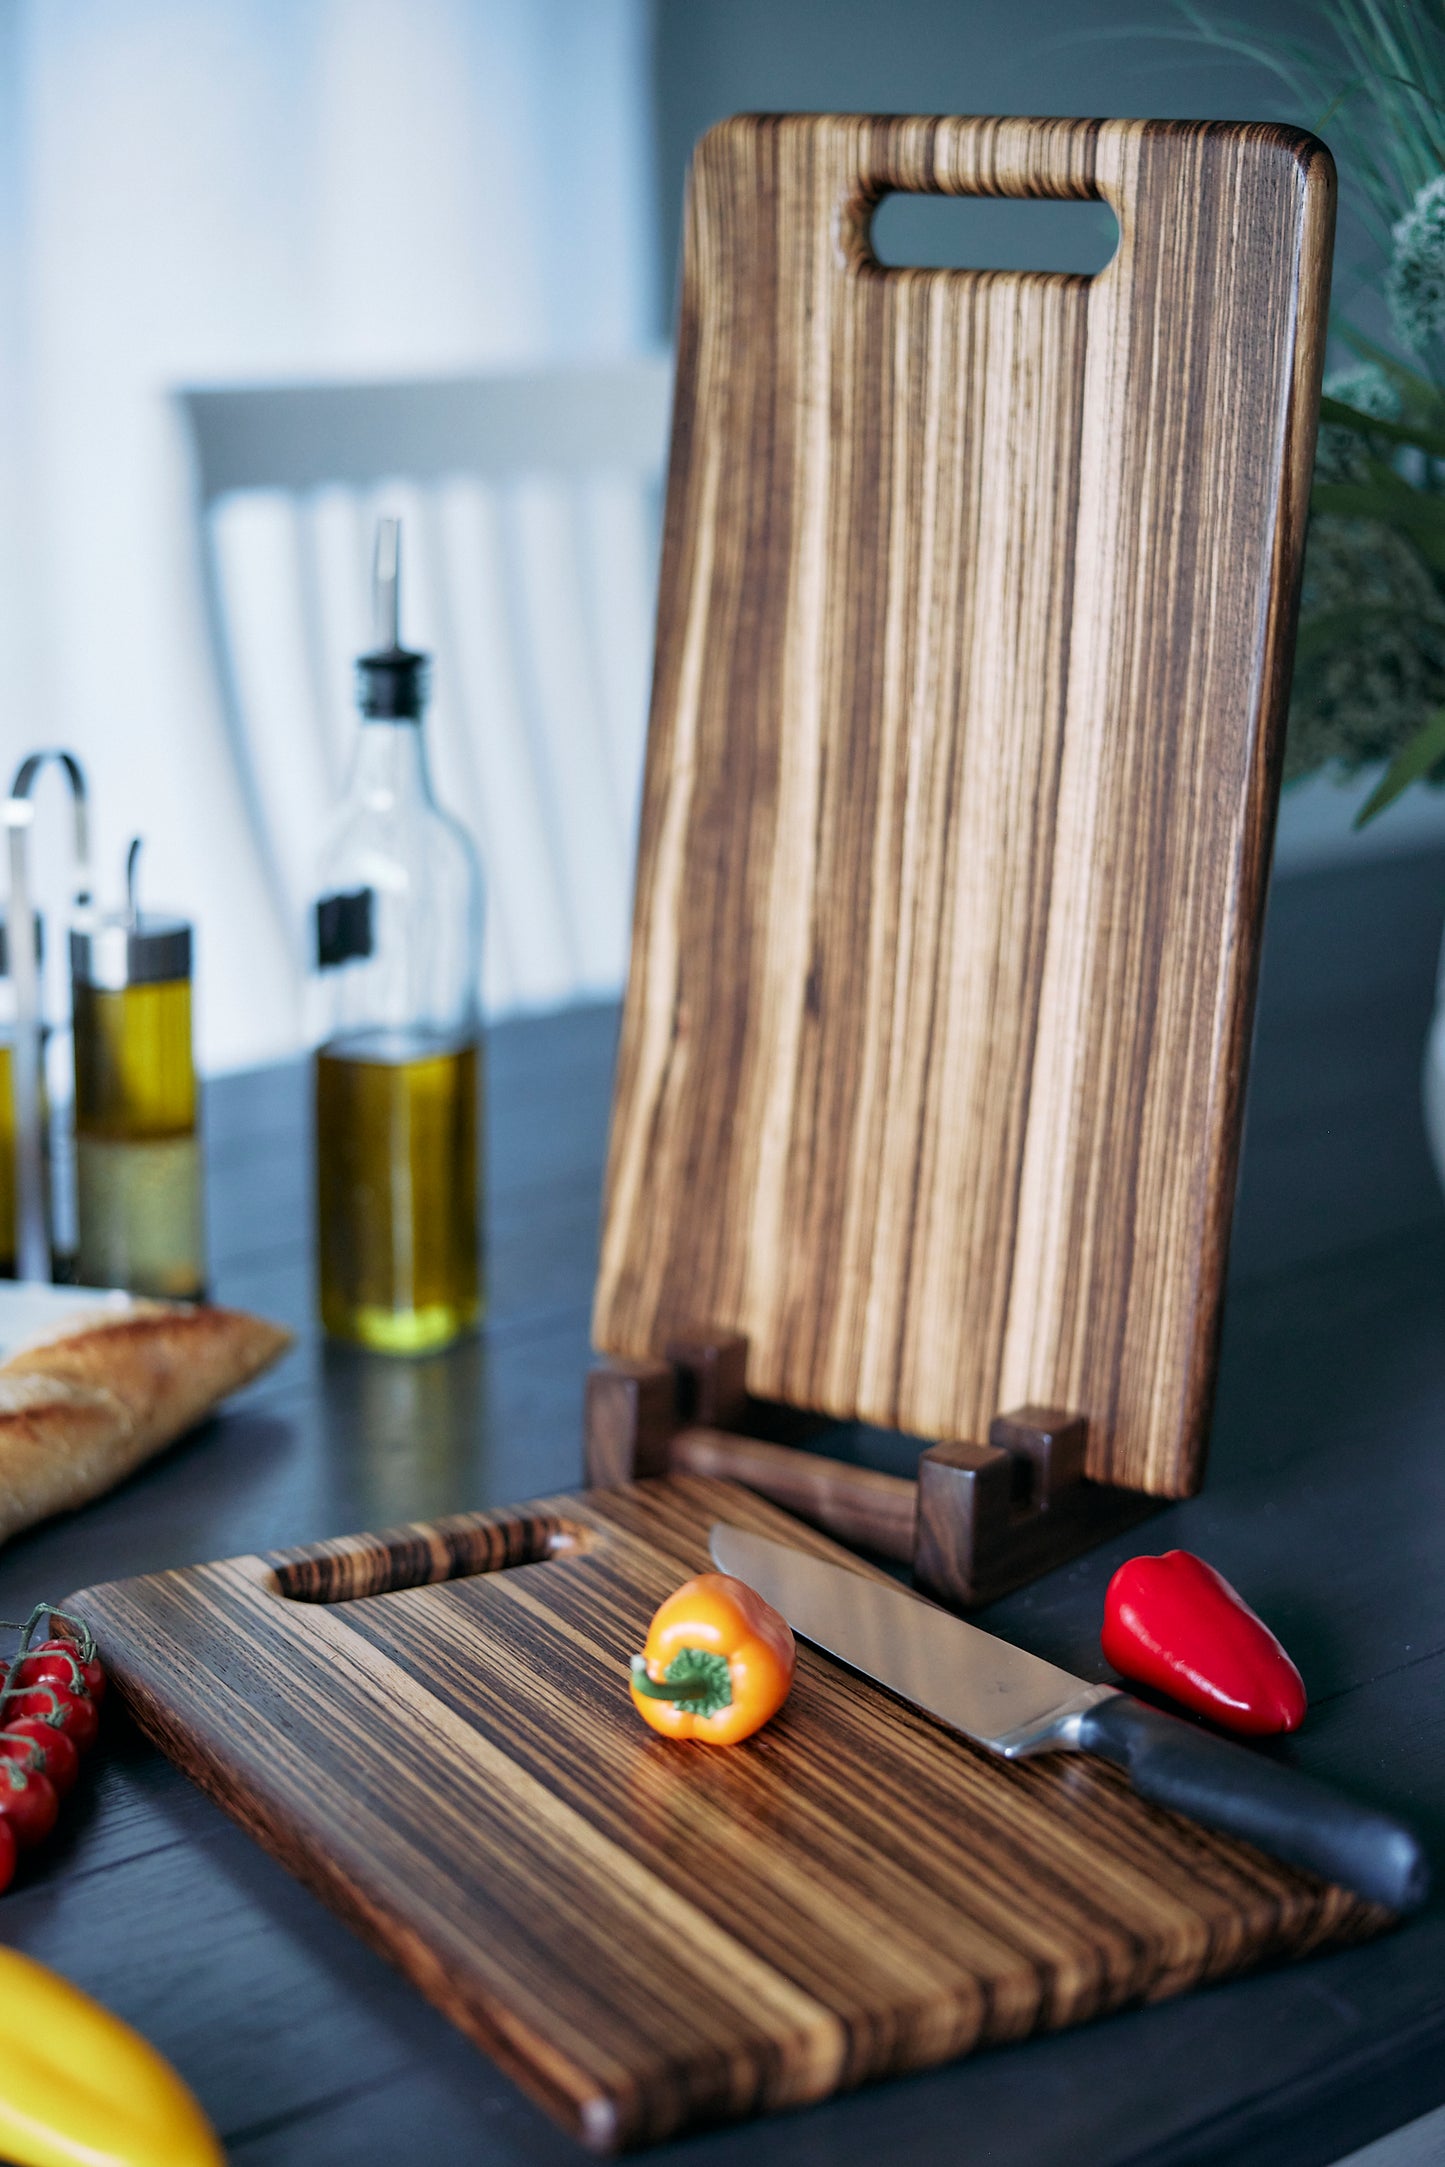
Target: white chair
530,505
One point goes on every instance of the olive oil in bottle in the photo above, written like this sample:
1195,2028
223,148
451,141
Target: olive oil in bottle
137,1147
397,1068
396,1146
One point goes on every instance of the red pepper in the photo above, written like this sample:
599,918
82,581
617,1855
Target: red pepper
1176,1624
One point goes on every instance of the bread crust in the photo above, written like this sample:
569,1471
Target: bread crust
83,1407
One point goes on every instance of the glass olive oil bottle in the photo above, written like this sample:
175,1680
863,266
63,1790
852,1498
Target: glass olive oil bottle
397,1068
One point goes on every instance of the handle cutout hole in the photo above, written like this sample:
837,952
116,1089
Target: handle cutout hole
459,1548
993,233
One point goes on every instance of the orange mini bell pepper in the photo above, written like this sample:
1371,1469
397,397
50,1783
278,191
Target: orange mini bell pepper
718,1663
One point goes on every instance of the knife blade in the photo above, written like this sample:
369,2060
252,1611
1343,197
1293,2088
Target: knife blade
1015,1704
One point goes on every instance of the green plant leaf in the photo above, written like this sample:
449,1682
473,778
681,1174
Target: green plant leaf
1426,749
1340,99
1421,396
1414,512
1384,476
1419,435
1413,509
1377,78
1325,629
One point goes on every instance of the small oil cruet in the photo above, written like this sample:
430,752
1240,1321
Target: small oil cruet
137,1140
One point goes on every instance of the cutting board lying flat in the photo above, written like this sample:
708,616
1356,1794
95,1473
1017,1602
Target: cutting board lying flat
648,1935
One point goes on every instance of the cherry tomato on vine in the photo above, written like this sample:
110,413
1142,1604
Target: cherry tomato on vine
73,1713
91,1670
54,1751
7,1856
56,1666
28,1802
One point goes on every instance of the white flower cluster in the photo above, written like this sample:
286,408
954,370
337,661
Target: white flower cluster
1415,281
1368,390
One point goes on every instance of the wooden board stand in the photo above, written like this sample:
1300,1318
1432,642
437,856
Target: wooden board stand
979,1521
974,638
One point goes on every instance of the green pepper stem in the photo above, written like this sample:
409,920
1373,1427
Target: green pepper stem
659,1689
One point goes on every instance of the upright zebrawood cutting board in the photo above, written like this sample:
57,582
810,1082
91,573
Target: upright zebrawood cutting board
648,1935
974,638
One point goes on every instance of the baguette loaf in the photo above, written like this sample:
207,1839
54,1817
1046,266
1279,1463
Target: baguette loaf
82,1408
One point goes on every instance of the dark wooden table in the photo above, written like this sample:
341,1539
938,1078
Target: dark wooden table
1325,1503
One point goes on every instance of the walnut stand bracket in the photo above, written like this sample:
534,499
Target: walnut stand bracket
975,626
979,1521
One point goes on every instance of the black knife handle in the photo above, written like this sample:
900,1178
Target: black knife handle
1283,1812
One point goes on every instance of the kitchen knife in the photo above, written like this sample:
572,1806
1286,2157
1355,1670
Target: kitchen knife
1016,1704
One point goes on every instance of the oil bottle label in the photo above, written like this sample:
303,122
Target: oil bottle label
343,928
